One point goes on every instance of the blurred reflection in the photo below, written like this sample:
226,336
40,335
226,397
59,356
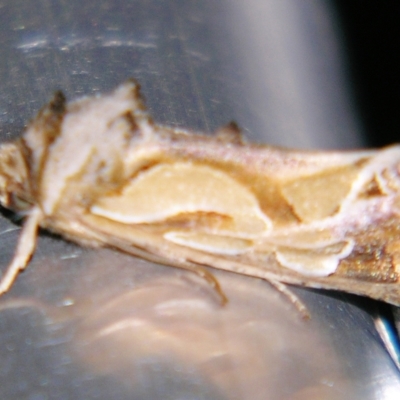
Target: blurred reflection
169,333
154,330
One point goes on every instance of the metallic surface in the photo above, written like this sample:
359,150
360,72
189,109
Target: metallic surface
85,324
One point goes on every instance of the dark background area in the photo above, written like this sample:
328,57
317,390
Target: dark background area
371,35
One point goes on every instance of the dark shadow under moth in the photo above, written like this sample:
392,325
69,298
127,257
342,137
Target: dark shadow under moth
100,172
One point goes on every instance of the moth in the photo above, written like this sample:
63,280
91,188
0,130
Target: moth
100,172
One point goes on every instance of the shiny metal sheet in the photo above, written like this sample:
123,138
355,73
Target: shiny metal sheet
96,324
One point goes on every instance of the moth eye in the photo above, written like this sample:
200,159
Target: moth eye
9,198
18,204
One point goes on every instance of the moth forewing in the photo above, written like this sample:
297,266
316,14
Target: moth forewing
169,190
99,171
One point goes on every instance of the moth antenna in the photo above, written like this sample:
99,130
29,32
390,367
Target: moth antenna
282,288
25,249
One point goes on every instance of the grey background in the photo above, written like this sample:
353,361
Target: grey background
86,324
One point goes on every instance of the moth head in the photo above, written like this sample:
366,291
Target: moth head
14,184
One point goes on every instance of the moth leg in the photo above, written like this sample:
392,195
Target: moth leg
282,288
188,265
209,278
25,248
178,263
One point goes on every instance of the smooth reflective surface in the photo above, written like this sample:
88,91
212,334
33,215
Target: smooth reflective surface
151,330
86,324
